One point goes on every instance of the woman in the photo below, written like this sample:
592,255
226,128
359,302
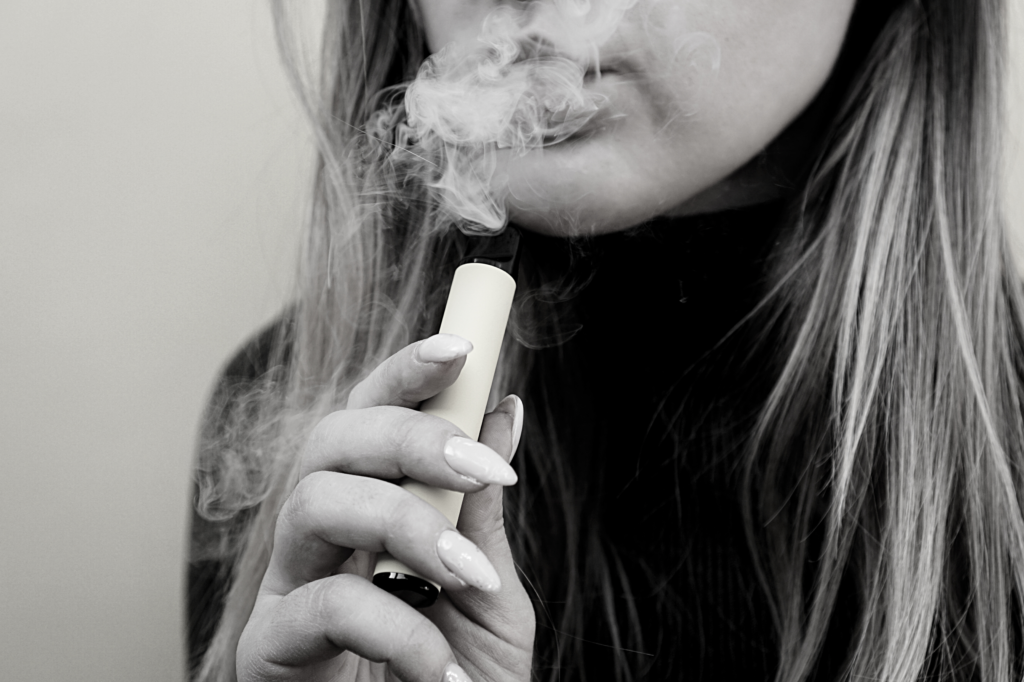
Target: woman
768,345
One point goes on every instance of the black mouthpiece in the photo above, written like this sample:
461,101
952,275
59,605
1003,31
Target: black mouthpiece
414,591
500,251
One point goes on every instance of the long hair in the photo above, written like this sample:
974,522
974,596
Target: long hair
887,455
903,315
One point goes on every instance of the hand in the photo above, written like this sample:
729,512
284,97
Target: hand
318,617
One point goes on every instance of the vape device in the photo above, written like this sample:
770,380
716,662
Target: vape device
477,310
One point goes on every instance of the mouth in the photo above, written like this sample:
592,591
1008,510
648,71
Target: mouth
605,116
590,128
612,63
554,141
596,73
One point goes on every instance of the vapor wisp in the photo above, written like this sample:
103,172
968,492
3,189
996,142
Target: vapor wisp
519,87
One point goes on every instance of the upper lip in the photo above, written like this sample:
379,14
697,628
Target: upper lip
539,48
603,69
605,64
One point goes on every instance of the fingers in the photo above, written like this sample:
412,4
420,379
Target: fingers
337,614
413,374
393,442
308,613
330,514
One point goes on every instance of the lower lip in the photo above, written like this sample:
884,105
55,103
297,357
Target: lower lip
598,121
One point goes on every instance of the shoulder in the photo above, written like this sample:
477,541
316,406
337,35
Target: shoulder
262,359
265,350
220,505
229,414
215,531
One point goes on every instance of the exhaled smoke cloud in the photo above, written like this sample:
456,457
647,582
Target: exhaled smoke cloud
518,88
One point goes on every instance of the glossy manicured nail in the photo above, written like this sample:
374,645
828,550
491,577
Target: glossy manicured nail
466,561
442,348
455,673
477,461
511,404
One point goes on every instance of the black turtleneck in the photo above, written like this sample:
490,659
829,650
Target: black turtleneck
666,401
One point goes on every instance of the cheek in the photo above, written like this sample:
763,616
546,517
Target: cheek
775,57
747,71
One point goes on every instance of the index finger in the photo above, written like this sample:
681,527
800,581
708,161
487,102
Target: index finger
410,376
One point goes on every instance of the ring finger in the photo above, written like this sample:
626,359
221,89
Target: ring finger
330,514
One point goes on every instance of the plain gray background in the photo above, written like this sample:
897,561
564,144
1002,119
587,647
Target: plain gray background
152,183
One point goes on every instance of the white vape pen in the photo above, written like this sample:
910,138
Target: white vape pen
477,310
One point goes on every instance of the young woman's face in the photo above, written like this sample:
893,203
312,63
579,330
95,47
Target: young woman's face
695,89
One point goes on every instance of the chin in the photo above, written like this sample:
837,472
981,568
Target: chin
608,181
602,184
578,220
577,190
557,200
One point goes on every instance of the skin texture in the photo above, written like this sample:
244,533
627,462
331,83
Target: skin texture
696,89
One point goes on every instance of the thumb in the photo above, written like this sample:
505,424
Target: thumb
496,629
481,519
507,613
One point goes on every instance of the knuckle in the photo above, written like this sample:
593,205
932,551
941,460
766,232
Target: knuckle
355,395
253,657
408,436
305,498
494,529
395,620
420,634
421,647
327,598
318,443
332,602
407,514
388,378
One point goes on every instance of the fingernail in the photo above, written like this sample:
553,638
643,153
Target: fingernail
466,561
511,404
478,461
455,673
442,348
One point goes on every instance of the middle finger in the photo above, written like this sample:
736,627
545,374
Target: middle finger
396,442
329,515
